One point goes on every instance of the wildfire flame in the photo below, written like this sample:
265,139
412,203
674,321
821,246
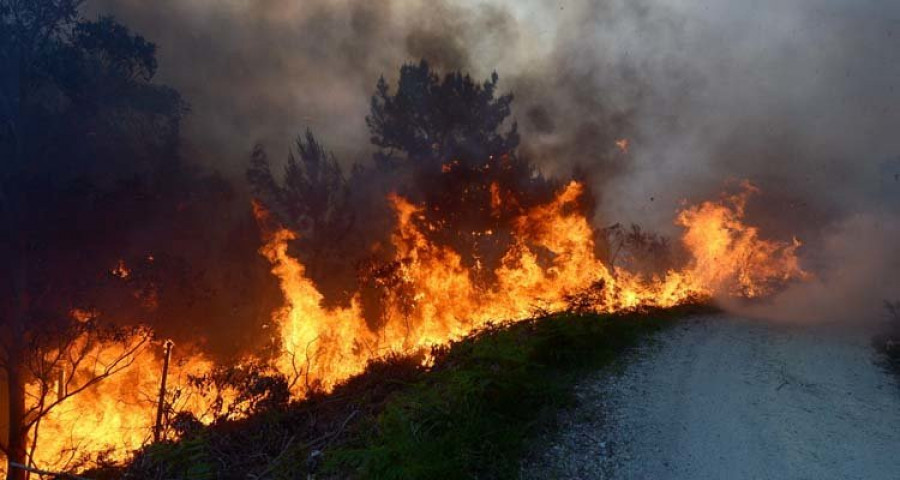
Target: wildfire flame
728,256
114,416
551,260
327,346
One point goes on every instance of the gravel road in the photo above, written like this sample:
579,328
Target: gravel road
719,397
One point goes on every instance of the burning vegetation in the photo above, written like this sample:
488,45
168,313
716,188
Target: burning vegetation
447,231
428,295
550,265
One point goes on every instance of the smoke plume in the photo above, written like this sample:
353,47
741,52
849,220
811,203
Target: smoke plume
800,98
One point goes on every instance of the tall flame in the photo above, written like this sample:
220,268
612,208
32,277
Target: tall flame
551,259
327,346
728,256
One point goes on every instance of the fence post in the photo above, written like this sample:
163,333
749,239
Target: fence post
160,408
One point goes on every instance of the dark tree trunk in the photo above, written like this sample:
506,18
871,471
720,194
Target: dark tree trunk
18,436
18,433
13,205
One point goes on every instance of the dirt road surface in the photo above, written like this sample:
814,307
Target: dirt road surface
720,397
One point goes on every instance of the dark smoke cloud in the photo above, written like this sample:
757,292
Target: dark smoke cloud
264,71
801,98
797,97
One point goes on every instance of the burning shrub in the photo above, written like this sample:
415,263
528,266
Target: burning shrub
65,362
588,300
381,285
281,442
239,391
636,250
312,198
446,135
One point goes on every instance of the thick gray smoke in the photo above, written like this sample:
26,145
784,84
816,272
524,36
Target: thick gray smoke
855,273
801,98
265,71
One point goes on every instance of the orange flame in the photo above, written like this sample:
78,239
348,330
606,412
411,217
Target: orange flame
551,260
121,270
113,416
328,346
728,256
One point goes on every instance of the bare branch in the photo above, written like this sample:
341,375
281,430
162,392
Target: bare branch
45,472
121,362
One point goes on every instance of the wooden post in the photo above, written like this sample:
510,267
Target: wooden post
161,406
61,385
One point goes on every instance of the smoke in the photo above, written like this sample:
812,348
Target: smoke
856,272
798,97
792,96
265,71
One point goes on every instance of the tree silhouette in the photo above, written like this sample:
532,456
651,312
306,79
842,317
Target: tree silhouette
433,121
312,198
449,135
313,193
78,113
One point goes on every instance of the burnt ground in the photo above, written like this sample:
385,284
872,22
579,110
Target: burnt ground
724,397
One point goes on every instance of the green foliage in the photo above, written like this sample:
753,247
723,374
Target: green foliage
190,460
469,415
472,414
119,50
76,96
238,391
448,143
279,442
313,198
312,195
432,120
